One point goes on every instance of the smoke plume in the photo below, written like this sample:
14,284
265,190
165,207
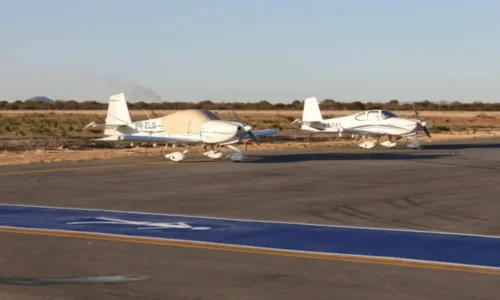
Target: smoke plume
134,92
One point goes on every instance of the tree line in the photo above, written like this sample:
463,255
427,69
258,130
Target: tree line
326,104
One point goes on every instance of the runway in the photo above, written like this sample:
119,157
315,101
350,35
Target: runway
443,187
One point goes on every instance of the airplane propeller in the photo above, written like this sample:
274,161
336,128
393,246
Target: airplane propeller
422,124
247,128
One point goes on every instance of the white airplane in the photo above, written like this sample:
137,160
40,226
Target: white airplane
186,127
373,123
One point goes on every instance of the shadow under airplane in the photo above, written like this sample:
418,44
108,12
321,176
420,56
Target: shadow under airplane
288,158
461,146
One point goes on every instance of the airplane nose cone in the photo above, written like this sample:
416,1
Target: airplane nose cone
234,129
246,128
242,130
418,125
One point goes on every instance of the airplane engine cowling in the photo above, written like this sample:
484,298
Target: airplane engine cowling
219,131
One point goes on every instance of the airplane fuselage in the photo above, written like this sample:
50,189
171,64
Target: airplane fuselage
390,126
212,132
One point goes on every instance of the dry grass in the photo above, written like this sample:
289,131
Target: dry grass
69,124
295,113
65,154
35,136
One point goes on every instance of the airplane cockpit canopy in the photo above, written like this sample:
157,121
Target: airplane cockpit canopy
386,114
375,115
209,114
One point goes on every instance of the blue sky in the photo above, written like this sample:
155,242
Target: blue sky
235,50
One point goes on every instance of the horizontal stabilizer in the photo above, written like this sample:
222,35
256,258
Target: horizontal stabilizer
104,126
107,139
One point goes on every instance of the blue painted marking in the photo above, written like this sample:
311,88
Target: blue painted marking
417,245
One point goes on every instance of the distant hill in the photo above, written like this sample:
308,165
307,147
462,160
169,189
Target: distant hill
42,99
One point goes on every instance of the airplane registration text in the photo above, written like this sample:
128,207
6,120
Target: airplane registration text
145,125
332,125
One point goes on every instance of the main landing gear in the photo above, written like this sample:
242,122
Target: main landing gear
412,143
217,154
213,153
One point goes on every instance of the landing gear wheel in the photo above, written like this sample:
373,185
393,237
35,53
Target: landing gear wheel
413,144
177,156
369,144
213,154
235,156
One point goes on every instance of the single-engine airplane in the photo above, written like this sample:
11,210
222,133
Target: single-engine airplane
190,127
374,123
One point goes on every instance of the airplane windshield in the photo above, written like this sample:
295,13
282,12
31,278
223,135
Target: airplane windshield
386,114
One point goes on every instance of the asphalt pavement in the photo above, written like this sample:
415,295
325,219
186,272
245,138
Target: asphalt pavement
448,186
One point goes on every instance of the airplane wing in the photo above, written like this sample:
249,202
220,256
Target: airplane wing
262,132
363,132
319,127
359,131
188,139
148,138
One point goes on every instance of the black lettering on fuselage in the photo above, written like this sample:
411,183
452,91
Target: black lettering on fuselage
332,125
145,125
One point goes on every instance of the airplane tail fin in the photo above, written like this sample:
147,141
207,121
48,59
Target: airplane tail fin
118,110
117,117
117,113
311,112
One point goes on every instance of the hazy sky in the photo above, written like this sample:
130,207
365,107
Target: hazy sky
237,50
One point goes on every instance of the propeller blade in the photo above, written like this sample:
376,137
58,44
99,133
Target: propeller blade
237,117
423,124
254,138
426,131
247,128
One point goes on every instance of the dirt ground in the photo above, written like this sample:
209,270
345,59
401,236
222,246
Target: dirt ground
51,136
68,154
